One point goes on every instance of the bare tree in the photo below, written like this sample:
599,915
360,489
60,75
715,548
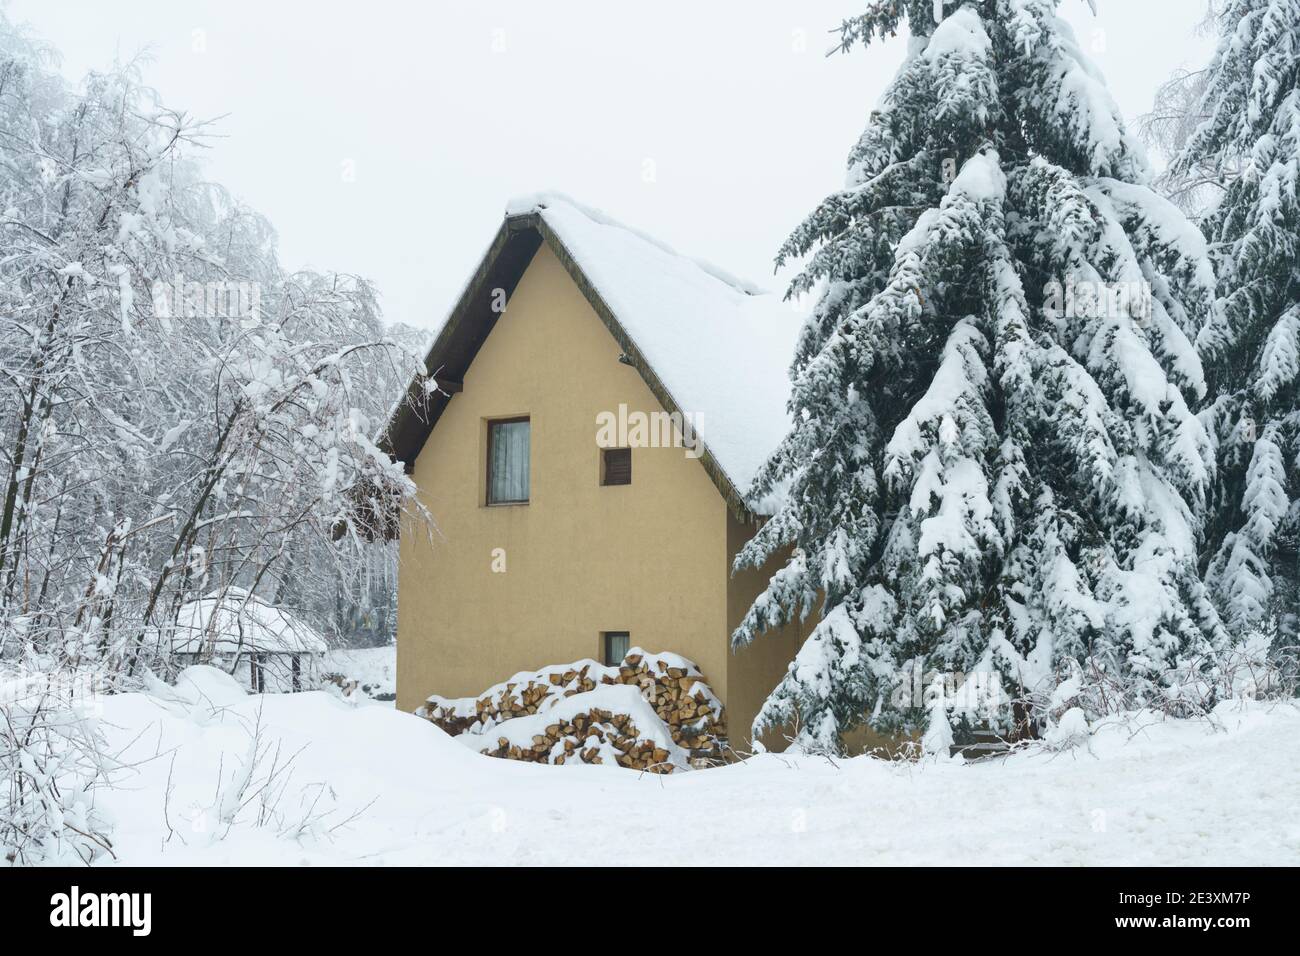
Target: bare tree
1174,117
178,413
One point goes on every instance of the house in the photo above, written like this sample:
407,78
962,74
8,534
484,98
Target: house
603,406
263,647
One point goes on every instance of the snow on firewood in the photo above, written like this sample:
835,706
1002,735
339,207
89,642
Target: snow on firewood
612,724
671,687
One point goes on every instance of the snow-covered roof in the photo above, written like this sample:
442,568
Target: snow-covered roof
721,346
711,346
233,620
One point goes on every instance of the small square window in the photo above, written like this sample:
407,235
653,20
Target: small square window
616,466
508,475
617,645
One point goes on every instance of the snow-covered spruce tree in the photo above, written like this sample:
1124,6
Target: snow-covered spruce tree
1251,134
993,467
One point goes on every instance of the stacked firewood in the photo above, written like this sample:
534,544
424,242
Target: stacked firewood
673,686
581,738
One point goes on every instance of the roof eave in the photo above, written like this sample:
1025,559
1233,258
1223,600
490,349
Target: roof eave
459,341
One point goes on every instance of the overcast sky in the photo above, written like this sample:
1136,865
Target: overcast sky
384,138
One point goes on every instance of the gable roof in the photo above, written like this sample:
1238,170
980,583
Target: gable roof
708,345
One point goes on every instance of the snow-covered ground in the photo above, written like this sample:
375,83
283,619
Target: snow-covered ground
369,785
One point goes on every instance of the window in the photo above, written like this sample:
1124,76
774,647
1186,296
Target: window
616,647
616,466
507,465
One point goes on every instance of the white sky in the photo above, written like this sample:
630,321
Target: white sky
443,111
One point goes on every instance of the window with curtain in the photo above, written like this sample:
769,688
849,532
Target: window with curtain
508,443
616,647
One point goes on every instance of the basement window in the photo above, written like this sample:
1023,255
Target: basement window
616,466
507,462
617,644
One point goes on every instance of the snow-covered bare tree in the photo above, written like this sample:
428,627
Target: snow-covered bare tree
177,412
994,467
1176,114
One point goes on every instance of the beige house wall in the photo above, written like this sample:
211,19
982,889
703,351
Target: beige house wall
648,558
754,670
